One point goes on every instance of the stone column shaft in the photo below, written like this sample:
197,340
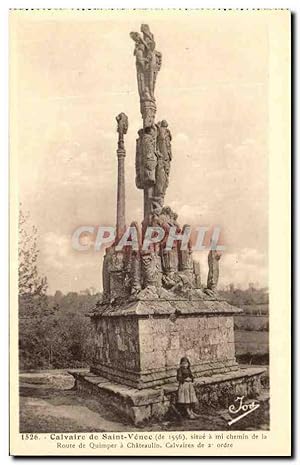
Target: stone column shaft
121,226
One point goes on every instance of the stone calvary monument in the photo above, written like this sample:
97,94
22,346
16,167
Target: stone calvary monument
155,309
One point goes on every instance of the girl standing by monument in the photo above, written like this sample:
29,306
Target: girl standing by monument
186,396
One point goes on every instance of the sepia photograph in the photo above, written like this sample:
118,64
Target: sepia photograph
141,154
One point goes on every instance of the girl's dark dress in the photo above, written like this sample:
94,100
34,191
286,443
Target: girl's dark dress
186,391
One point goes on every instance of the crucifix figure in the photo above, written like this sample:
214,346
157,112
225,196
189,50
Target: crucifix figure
148,62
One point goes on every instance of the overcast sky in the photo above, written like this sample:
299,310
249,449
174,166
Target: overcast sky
76,74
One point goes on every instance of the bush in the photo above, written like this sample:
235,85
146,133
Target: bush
59,340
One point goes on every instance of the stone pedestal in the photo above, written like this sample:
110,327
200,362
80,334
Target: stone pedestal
139,406
138,347
140,344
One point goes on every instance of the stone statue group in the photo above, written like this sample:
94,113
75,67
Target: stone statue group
148,62
158,272
153,160
153,147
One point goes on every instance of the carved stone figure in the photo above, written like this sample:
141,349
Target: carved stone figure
149,156
166,219
164,138
186,256
118,264
153,59
153,146
197,274
122,129
155,204
148,110
106,275
140,62
213,269
153,165
161,179
170,260
149,269
135,272
148,62
177,282
186,264
139,166
164,156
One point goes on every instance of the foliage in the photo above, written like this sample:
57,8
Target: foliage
240,297
58,340
53,330
32,286
29,280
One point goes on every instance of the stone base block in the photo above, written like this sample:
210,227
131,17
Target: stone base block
142,405
157,377
141,349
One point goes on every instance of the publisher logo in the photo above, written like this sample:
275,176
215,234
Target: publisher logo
239,409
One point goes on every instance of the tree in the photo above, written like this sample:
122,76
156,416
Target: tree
53,331
29,280
32,286
34,310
